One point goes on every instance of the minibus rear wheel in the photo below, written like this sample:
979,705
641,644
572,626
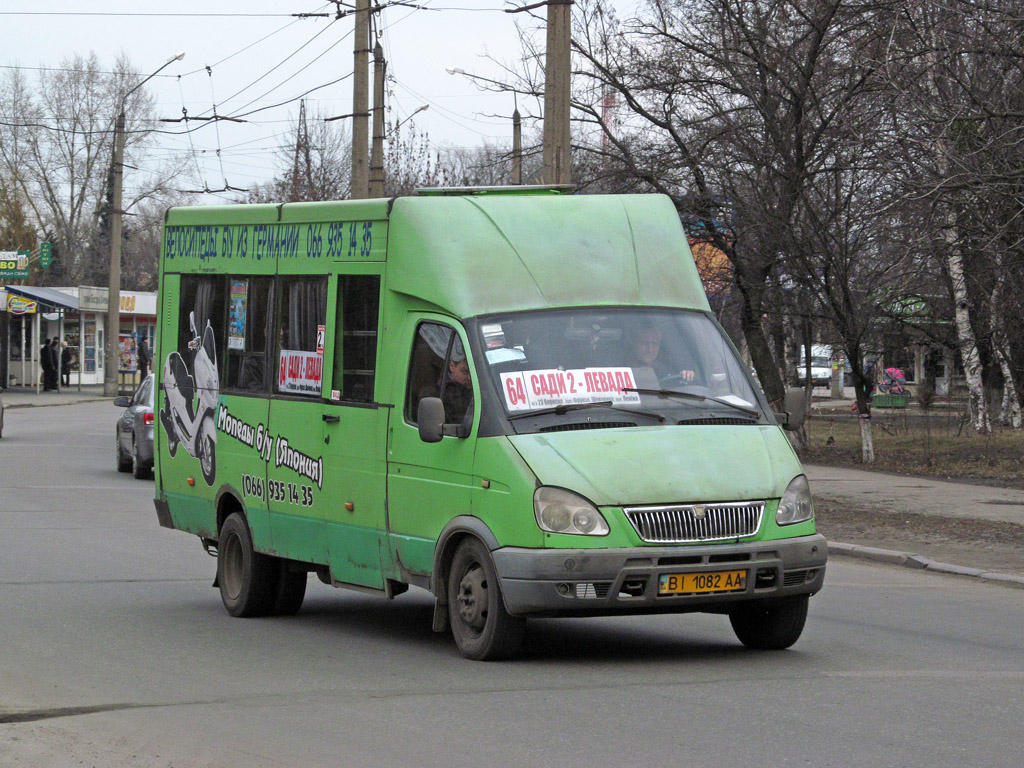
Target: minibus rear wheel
482,628
770,626
247,579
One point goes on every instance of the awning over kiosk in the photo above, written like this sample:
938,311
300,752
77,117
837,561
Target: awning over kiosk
51,299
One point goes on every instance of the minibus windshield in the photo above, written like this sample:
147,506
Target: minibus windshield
676,364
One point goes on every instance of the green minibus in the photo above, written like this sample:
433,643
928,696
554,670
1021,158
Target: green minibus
515,398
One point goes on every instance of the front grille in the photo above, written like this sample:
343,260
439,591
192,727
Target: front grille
696,522
592,591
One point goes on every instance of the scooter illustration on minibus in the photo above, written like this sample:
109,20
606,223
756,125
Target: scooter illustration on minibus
191,400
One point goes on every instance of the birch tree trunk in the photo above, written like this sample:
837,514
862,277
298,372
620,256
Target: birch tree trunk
966,339
1010,412
866,441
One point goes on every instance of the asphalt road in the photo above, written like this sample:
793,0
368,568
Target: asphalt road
116,651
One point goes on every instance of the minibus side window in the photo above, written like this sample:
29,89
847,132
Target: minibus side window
355,352
248,313
302,318
439,368
201,301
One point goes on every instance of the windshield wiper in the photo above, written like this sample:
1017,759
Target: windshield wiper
563,409
671,393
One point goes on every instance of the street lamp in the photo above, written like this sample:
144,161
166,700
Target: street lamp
471,76
517,124
420,108
110,387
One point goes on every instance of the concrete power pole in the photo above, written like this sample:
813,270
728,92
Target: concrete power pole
517,148
360,102
113,326
556,93
377,152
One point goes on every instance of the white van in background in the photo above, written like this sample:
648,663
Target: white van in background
821,366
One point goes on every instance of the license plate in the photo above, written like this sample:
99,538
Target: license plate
698,583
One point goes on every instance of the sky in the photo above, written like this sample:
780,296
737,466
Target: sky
253,55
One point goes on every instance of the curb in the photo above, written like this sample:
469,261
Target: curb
14,406
910,560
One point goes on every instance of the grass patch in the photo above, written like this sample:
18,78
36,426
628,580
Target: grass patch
906,442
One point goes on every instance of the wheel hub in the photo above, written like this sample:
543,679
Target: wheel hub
231,578
473,598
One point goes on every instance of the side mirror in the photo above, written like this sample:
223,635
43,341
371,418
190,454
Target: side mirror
430,416
123,401
795,405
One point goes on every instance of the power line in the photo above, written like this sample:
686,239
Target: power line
161,14
276,66
250,45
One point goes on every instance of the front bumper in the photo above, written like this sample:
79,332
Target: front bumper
602,582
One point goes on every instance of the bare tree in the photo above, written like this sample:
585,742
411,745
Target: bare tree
16,231
58,149
958,70
736,109
313,163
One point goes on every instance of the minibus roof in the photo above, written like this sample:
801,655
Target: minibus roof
475,254
472,252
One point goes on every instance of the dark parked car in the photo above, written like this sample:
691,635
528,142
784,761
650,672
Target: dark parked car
134,431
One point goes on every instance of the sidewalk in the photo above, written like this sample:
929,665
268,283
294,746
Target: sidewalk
881,490
964,502
24,397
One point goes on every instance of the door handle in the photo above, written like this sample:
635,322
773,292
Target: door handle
331,418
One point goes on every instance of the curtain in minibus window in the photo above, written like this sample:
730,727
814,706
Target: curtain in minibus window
303,318
201,301
248,315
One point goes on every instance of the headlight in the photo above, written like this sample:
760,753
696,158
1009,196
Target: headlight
561,511
796,505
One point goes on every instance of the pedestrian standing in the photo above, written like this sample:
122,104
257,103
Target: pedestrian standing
45,362
55,364
65,363
144,358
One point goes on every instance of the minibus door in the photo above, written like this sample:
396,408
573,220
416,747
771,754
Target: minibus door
354,433
429,483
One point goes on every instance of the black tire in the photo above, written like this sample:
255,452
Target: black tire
139,470
247,579
206,449
770,626
290,592
482,628
124,464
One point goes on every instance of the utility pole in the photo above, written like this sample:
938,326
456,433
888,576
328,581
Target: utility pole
360,102
377,152
112,354
556,93
113,330
517,148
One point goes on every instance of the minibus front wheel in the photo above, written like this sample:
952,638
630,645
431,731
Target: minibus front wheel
482,628
770,626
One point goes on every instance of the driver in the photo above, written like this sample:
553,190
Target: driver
457,388
644,354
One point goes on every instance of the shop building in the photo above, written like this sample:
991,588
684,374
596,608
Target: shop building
30,314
